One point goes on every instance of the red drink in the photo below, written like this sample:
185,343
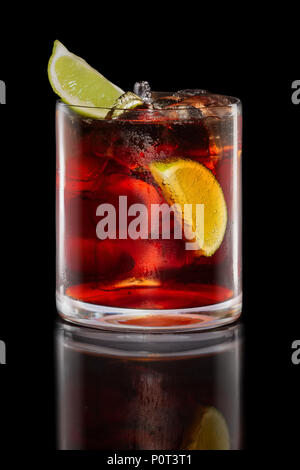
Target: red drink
118,246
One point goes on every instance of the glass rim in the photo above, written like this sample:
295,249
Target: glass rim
234,102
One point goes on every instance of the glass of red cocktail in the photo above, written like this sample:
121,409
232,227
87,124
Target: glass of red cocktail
149,213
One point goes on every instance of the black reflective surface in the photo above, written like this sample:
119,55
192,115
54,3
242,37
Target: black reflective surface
148,391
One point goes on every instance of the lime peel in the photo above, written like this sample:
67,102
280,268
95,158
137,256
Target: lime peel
125,102
78,84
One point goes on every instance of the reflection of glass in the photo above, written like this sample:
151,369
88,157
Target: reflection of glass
148,208
137,391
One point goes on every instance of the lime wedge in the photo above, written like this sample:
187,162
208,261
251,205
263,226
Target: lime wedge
209,431
126,101
185,181
78,84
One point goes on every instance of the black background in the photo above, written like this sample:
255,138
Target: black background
260,71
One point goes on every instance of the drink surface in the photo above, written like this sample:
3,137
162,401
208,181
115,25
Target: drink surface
102,160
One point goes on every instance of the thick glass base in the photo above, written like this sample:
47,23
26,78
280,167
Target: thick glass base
158,320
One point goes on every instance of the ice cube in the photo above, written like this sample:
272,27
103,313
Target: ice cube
176,106
214,109
190,92
83,174
175,110
143,90
210,104
162,100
